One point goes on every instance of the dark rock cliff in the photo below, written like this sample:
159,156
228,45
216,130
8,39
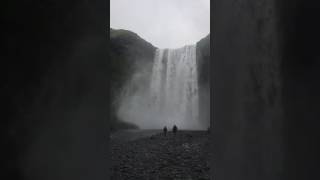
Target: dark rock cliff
127,52
203,61
300,68
247,88
53,90
266,89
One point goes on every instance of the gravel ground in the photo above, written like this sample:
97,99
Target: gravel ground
156,157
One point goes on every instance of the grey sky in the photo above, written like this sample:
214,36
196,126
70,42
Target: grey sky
164,23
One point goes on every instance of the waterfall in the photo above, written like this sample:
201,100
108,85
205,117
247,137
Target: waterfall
174,87
164,92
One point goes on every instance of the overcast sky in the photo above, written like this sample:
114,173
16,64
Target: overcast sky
164,23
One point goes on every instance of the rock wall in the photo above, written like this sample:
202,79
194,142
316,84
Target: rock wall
128,54
246,84
265,89
203,62
54,90
300,67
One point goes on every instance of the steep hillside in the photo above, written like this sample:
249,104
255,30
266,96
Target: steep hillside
128,51
203,59
53,72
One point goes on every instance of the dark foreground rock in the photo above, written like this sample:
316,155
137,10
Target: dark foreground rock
183,156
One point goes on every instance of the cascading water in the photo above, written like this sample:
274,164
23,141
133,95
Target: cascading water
174,87
166,94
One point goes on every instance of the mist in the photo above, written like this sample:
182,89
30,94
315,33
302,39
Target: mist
136,105
132,102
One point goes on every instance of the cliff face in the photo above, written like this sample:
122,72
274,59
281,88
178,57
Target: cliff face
128,52
300,69
247,90
266,89
53,69
203,61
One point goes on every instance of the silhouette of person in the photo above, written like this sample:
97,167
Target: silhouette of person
165,130
174,129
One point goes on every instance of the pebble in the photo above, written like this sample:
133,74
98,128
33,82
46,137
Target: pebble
159,157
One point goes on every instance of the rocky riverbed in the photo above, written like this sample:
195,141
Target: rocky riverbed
157,157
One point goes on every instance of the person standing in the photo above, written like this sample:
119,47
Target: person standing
165,130
174,129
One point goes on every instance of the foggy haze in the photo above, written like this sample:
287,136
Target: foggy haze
164,23
159,94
